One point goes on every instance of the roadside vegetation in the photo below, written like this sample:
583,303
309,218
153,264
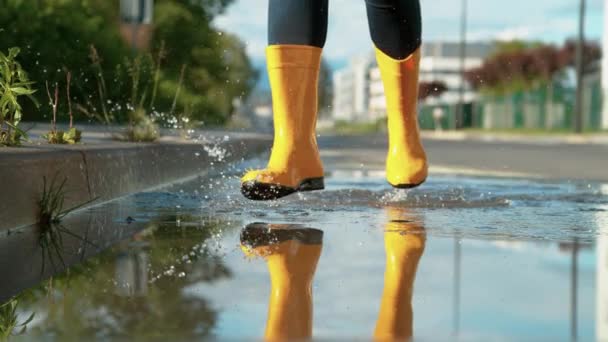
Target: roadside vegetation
532,85
189,76
10,325
55,136
51,203
522,66
14,85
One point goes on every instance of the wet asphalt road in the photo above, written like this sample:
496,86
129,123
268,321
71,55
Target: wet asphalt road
525,159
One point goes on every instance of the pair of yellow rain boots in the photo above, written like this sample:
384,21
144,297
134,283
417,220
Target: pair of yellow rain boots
294,163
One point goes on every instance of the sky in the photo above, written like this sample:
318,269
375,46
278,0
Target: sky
348,35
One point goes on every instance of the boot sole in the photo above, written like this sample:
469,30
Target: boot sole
407,186
258,191
259,234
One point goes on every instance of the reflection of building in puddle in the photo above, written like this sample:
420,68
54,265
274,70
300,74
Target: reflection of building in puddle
292,252
132,270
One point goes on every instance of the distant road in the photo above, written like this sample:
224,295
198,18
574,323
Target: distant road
551,157
555,160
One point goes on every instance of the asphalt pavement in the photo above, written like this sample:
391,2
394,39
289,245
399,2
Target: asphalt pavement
527,157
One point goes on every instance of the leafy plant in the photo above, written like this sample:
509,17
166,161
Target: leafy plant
72,136
219,69
9,324
143,72
141,125
520,66
14,83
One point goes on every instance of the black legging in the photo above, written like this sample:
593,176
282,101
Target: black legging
395,25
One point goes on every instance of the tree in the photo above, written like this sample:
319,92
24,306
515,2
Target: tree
60,35
54,36
433,88
523,66
591,53
218,69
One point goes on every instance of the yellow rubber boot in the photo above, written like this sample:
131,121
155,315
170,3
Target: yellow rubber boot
406,164
294,163
404,243
292,254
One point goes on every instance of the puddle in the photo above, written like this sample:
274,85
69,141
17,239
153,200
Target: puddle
482,259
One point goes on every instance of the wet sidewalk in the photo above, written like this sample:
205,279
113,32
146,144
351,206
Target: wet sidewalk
102,169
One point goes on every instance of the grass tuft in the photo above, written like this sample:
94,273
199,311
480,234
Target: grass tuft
9,320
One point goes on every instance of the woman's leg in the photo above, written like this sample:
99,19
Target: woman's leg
297,22
296,35
395,27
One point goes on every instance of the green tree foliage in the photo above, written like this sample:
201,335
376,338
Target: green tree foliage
56,36
218,70
431,89
518,66
514,46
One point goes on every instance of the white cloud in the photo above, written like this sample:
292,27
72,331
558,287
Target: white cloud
550,20
348,33
554,30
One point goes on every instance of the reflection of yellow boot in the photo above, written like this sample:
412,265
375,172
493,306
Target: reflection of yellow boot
294,163
404,243
292,255
406,164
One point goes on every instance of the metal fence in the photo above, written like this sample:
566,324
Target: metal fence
543,108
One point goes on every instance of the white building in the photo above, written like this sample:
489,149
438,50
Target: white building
440,61
358,89
351,90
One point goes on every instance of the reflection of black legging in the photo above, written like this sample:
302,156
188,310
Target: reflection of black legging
395,25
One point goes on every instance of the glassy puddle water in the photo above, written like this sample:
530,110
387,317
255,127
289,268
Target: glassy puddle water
468,258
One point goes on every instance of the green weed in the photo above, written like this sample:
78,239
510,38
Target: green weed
73,135
9,320
14,83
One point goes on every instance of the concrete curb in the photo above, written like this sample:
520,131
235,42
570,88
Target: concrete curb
107,170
